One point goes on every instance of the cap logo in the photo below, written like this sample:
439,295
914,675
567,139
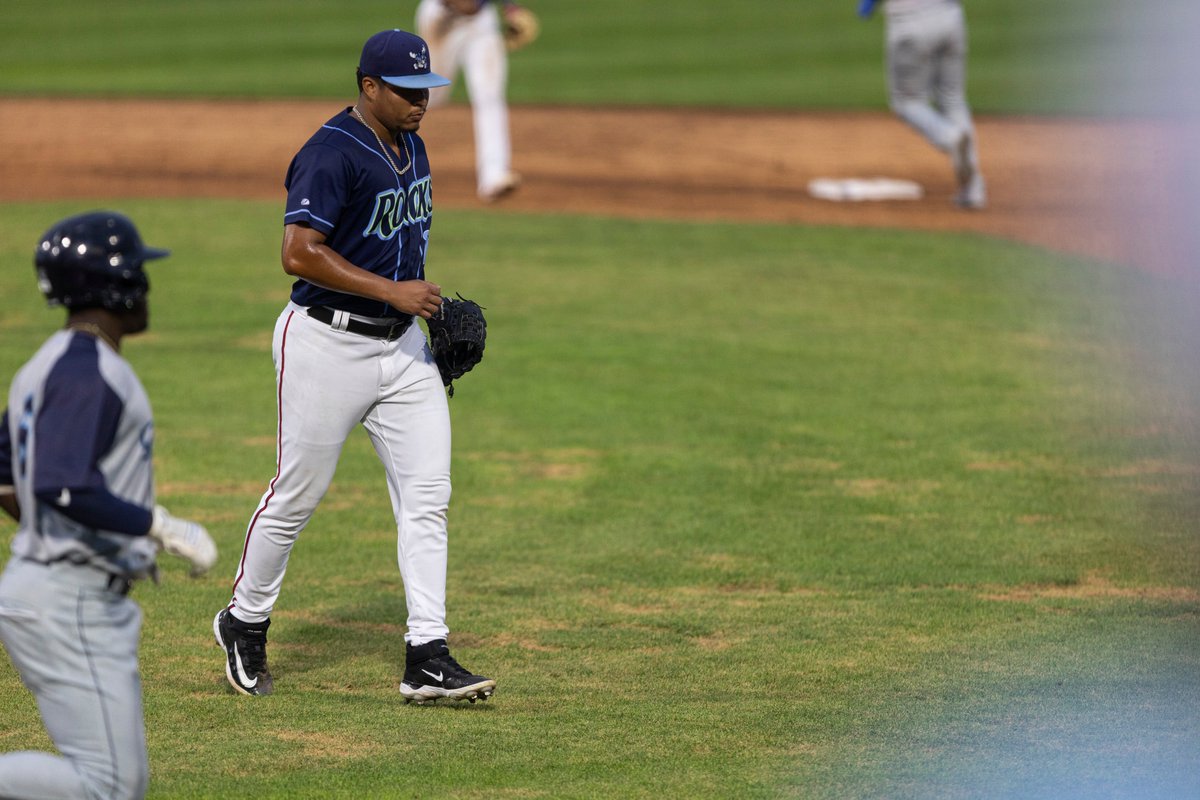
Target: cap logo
401,59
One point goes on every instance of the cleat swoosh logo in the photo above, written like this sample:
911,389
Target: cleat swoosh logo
241,671
436,676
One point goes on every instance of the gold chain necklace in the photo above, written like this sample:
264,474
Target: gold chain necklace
387,151
94,330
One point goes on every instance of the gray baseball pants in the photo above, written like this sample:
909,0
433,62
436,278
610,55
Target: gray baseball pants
74,642
927,73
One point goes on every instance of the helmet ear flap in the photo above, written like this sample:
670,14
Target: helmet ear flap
46,286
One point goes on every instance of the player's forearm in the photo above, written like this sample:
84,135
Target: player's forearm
99,509
306,256
321,266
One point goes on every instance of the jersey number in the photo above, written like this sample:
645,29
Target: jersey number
24,426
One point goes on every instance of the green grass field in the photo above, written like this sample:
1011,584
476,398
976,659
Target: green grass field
740,510
778,512
1027,56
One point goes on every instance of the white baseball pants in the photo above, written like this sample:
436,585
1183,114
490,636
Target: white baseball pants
329,381
474,44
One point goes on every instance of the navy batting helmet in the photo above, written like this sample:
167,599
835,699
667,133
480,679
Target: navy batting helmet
94,260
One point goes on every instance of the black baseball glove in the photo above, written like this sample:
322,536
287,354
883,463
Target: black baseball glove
456,337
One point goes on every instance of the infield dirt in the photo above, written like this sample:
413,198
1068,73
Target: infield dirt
1097,188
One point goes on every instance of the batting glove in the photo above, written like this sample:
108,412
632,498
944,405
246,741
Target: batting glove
184,538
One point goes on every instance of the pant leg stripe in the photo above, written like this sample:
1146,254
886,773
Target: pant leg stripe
278,453
87,652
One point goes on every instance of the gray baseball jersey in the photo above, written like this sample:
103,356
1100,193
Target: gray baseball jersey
79,418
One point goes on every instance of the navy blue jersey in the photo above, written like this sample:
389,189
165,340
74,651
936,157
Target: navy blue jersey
341,184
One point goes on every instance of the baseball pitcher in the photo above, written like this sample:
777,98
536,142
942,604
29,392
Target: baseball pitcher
347,352
474,36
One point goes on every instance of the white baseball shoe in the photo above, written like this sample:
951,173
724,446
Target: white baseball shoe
972,193
498,190
974,196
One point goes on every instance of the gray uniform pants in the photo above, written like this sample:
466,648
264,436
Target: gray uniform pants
926,55
74,643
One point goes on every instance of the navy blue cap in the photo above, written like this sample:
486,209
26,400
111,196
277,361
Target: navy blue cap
400,58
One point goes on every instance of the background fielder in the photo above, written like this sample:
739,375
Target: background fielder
76,472
927,76
466,35
347,352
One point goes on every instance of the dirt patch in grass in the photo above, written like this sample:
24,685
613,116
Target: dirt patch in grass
326,746
1093,587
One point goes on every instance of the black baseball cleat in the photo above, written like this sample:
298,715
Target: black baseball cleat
432,673
245,646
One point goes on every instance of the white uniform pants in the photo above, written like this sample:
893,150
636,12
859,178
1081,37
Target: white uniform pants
74,644
926,54
328,382
474,44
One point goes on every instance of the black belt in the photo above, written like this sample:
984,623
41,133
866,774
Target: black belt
119,584
388,331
